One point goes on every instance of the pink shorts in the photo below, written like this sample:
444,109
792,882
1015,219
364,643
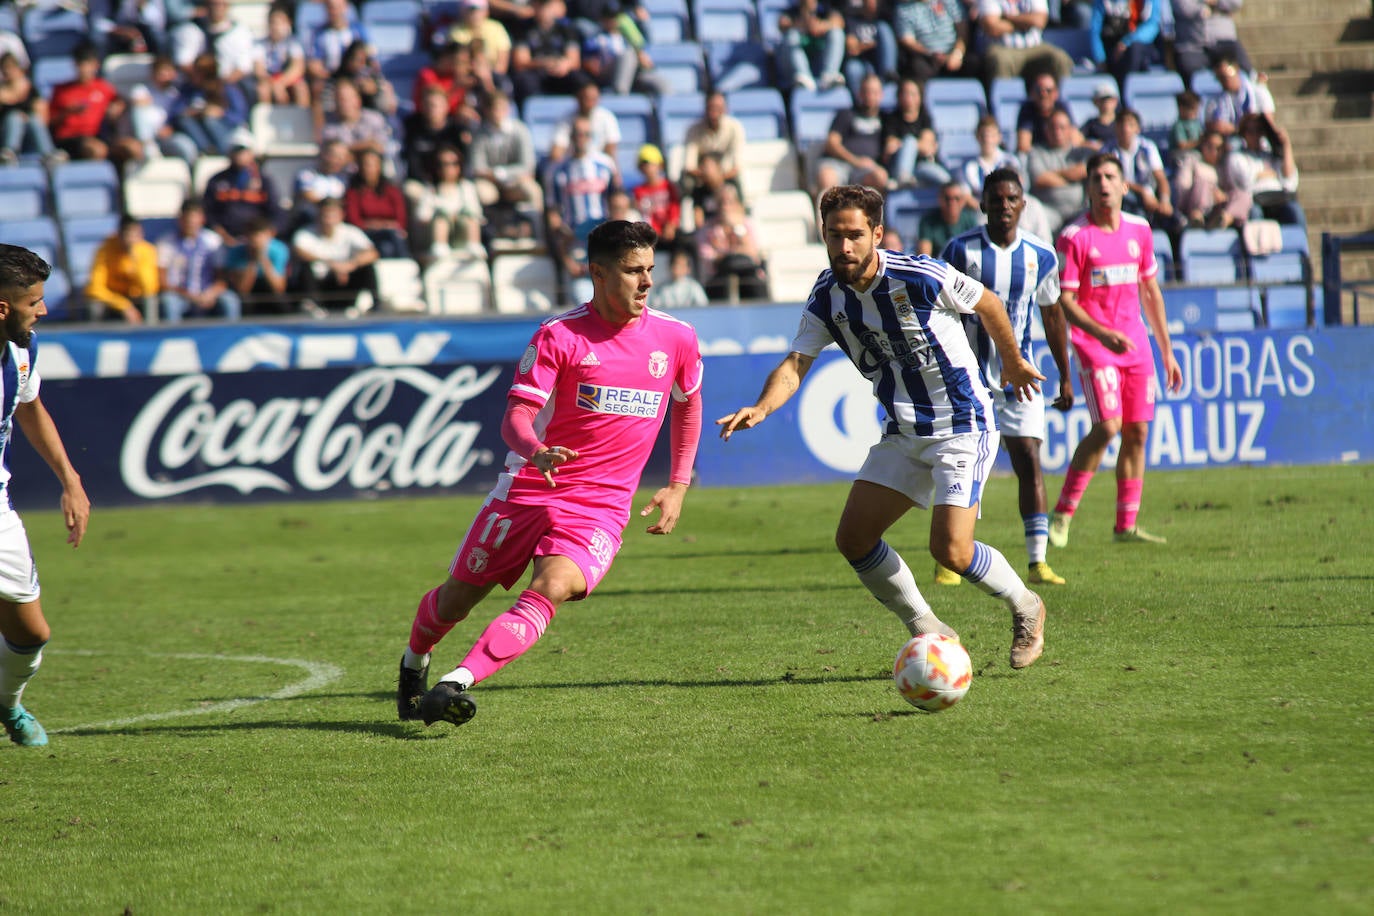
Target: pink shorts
505,537
1115,391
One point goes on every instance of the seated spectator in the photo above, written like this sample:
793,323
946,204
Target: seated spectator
853,148
683,290
1016,43
488,38
430,127
1100,129
237,196
991,157
23,115
1032,119
716,132
209,109
730,254
442,73
1122,36
952,217
325,52
706,194
549,57
515,15
80,110
279,63
933,38
502,164
137,27
375,205
336,263
812,50
256,271
870,44
360,67
1186,133
449,211
189,275
12,43
1204,33
231,43
611,58
576,204
910,147
1265,167
1237,98
1142,168
657,198
1056,172
329,177
147,130
1208,194
620,205
123,282
605,125
356,127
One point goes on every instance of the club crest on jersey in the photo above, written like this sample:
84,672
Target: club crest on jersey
902,302
477,560
658,364
1133,248
527,361
625,402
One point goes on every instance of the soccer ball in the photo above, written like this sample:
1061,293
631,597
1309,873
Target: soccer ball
932,672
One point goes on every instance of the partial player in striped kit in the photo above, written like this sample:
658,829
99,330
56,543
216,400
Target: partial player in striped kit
22,624
1024,273
898,319
1107,275
585,408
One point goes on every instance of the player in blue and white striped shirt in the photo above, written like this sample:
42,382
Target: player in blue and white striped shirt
1024,273
897,318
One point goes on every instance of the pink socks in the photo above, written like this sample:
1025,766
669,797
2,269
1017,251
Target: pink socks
509,636
1128,503
428,629
1075,485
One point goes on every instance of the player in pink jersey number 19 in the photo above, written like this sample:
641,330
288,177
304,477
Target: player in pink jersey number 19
586,406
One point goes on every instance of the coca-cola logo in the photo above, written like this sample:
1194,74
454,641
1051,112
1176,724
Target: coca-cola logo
180,432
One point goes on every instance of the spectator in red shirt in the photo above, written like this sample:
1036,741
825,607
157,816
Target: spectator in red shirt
80,109
376,206
442,72
657,198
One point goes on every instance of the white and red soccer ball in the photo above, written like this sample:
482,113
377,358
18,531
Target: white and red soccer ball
932,672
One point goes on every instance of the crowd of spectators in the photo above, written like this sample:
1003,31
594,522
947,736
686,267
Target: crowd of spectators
448,170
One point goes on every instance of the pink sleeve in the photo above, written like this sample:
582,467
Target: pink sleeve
684,436
517,427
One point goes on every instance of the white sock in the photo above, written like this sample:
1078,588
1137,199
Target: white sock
887,578
1037,535
991,572
460,676
17,665
415,662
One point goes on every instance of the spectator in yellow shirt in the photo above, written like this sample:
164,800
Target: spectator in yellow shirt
124,277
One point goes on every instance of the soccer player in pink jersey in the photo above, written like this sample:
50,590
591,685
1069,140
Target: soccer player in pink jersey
585,408
1107,274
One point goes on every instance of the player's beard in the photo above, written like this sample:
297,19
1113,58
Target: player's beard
15,330
849,274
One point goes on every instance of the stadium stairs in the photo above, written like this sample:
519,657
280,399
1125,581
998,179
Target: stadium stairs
1320,62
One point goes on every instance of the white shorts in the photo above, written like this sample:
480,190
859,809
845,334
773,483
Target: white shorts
18,572
945,472
1019,418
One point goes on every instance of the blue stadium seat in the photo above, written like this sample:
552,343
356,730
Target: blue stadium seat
30,175
667,29
57,297
393,39
310,16
1007,89
1077,92
39,235
735,65
725,20
954,116
960,90
759,100
71,179
1286,306
375,11
1205,83
768,13
957,147
81,237
22,203
638,125
1213,256
1157,113
1164,256
677,113
52,71
1077,42
1150,84
53,32
542,114
812,112
1237,309
1280,267
905,207
683,65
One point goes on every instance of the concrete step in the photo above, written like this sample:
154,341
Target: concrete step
1271,13
1345,188
1338,218
1302,112
1336,134
1266,39
1350,86
1320,160
1359,56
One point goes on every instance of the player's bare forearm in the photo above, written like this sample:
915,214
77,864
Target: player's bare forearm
39,429
780,385
1152,300
1075,315
1016,369
668,502
1057,336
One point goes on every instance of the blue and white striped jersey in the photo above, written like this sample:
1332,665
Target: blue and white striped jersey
905,335
1024,276
19,384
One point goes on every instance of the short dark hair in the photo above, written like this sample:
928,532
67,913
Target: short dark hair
1129,113
610,241
853,197
1188,97
1100,159
21,268
127,220
1001,175
259,223
191,205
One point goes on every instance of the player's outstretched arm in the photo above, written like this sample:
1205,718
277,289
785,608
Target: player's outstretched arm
1057,336
1153,301
1016,369
41,432
780,385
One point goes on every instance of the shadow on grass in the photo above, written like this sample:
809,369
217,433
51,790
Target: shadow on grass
399,730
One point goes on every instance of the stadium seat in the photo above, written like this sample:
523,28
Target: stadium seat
206,167
52,71
767,166
1237,309
1285,306
1077,92
124,71
905,207
676,114
725,20
310,15
682,65
1205,83
377,11
399,287
676,10
812,112
738,65
542,114
954,116
283,171
792,272
393,39
1076,42
768,13
53,32
1211,256
961,90
252,14
58,298
157,188
667,29
761,111
523,283
785,219
1151,84
22,203
86,188
1005,90
957,147
39,235
25,175
635,112
283,130
1164,256
458,287
1157,115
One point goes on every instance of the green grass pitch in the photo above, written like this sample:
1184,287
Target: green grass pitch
716,730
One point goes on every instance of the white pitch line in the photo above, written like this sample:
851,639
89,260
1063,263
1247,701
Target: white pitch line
319,674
